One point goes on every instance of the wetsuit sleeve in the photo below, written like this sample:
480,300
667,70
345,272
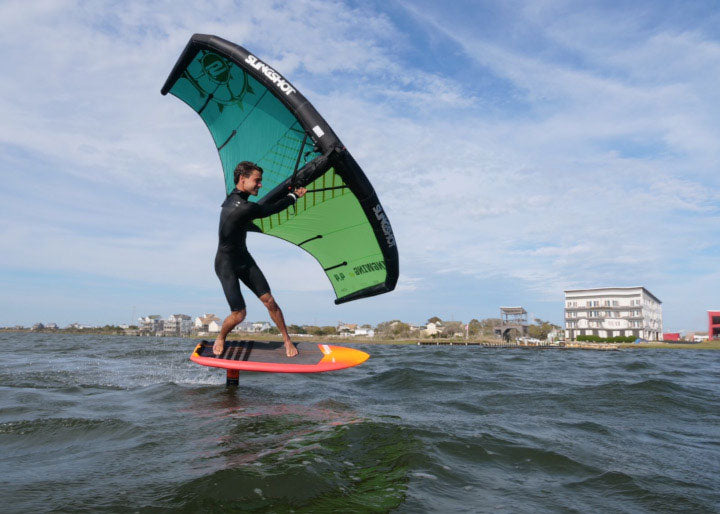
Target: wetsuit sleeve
261,211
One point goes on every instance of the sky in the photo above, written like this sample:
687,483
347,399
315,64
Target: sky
520,149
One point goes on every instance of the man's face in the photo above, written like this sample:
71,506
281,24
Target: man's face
251,184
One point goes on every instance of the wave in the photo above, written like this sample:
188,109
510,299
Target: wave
361,466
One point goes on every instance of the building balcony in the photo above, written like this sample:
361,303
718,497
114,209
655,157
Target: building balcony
603,308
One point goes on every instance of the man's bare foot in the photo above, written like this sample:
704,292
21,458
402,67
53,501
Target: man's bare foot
219,346
290,349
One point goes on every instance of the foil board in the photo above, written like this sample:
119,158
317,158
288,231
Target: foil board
270,357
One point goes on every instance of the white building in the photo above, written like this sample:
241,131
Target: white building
346,329
433,328
364,332
612,312
261,326
202,323
150,324
252,326
177,325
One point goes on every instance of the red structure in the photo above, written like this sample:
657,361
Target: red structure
713,325
671,336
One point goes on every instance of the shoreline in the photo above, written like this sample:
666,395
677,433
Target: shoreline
483,342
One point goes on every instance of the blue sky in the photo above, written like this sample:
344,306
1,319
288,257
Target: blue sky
519,149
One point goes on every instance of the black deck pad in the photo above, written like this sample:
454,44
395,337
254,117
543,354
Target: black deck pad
262,351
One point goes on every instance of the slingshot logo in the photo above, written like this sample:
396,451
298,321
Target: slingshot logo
217,68
215,75
277,79
385,224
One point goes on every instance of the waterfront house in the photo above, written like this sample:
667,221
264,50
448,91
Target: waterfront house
433,328
177,325
252,327
364,332
261,326
202,323
612,312
346,329
245,326
150,325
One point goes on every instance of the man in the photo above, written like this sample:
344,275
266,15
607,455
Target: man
233,262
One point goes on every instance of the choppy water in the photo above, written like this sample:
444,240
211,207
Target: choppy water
92,423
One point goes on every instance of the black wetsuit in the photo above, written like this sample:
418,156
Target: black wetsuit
233,262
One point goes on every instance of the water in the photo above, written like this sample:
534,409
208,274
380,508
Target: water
111,423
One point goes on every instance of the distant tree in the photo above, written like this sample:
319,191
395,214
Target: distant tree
385,327
400,330
296,329
541,329
273,330
474,328
487,326
313,330
320,331
434,319
328,330
393,329
450,328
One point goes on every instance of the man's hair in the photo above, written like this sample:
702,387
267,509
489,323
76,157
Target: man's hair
245,169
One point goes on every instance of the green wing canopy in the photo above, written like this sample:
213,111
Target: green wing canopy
254,114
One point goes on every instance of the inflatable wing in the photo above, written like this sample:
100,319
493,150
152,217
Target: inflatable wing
255,114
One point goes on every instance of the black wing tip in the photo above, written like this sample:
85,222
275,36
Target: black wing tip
365,293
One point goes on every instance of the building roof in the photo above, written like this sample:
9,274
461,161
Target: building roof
590,289
513,310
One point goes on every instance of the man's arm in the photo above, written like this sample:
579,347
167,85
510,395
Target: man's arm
262,211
